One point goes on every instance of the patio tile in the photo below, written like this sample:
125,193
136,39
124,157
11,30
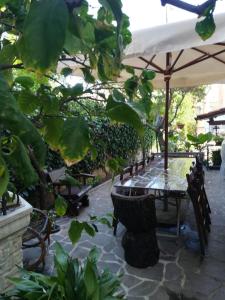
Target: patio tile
173,272
113,267
129,281
160,294
199,286
145,288
174,289
219,294
153,273
80,253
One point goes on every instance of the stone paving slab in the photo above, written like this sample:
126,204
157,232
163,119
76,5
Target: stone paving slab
180,274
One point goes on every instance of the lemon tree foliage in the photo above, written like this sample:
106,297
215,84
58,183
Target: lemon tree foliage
43,42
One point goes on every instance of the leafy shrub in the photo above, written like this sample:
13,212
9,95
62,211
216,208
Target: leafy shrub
73,280
109,141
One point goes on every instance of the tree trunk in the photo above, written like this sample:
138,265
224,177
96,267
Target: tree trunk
43,184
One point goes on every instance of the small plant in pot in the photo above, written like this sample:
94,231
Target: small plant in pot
216,158
218,140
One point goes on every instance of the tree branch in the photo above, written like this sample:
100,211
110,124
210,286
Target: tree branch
177,108
10,66
196,9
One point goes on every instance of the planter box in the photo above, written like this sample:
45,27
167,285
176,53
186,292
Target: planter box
12,227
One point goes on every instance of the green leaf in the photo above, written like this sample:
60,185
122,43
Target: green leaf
75,231
105,221
52,131
13,120
148,75
131,86
44,34
112,165
24,284
89,229
74,141
66,71
115,6
118,95
61,257
88,77
25,81
91,281
4,176
77,90
94,153
129,70
125,112
22,167
28,102
93,255
8,54
206,27
60,206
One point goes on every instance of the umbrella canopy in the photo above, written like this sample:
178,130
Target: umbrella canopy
193,62
179,57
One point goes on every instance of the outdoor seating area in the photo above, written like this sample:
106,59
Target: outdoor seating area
180,271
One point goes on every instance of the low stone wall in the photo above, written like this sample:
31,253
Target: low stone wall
12,227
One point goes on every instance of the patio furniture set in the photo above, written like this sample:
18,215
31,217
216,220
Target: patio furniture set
135,194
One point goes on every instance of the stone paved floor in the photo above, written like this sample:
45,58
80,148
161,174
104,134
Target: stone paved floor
179,274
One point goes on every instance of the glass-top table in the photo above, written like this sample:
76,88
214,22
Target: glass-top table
156,178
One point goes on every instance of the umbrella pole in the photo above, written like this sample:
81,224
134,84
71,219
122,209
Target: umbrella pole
166,123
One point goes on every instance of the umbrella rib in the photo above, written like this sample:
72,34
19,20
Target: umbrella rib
176,60
197,60
151,63
209,55
140,68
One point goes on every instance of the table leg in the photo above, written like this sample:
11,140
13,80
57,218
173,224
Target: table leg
178,203
165,201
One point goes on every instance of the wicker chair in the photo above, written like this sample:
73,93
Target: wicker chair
36,234
138,215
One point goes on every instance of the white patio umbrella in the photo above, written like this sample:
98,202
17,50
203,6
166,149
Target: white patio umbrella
179,57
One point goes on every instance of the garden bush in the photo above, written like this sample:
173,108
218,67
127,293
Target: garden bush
110,140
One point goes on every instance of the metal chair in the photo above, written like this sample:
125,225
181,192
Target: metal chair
36,235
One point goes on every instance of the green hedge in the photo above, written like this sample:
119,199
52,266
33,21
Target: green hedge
110,141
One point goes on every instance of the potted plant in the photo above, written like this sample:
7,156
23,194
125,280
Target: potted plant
218,140
14,219
216,158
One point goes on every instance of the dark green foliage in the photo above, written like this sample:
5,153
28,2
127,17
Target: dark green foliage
199,140
216,158
113,141
108,141
72,280
206,27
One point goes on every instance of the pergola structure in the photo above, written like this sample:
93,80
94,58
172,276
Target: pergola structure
211,115
179,58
